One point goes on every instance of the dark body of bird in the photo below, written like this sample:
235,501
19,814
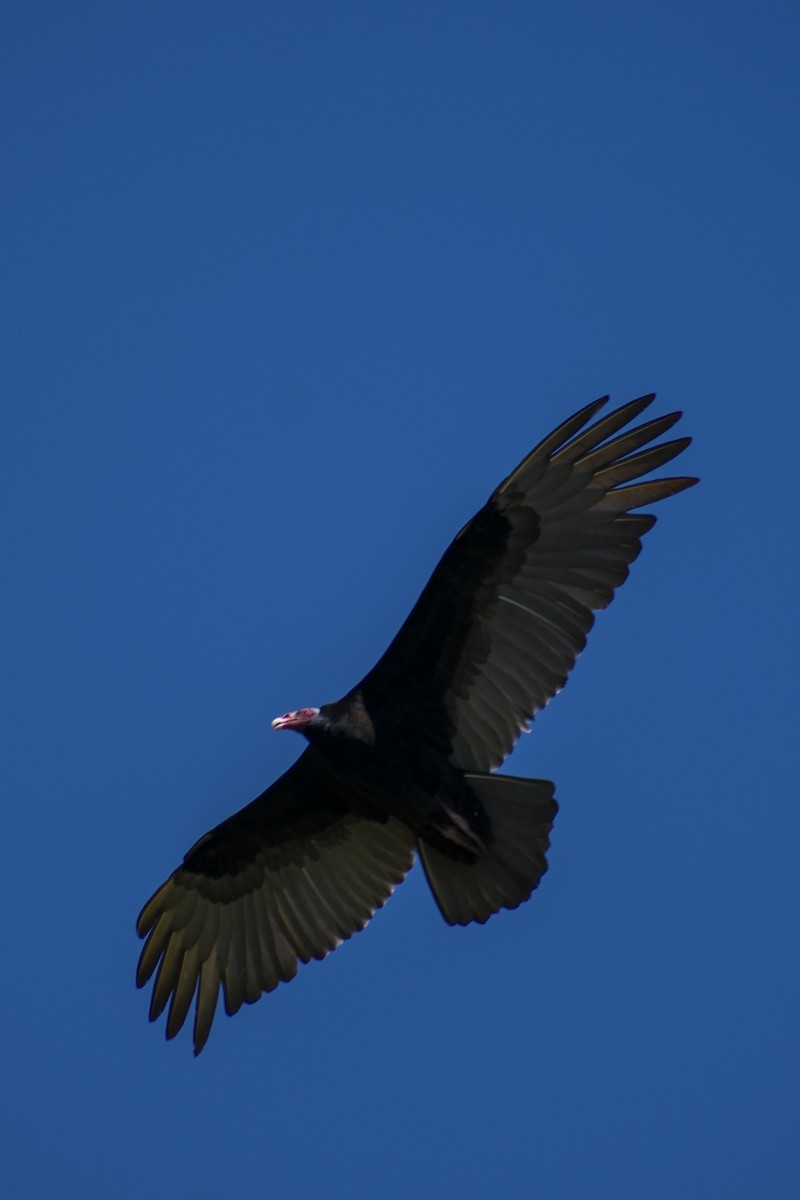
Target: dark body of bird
403,763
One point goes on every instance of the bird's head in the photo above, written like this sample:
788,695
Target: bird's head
300,720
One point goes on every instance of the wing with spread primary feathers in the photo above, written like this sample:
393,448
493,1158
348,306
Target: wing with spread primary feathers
285,880
502,619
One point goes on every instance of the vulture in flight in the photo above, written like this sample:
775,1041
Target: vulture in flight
402,765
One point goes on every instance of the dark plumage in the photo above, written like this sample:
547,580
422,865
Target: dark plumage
402,764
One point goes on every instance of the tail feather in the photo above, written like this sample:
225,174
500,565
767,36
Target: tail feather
521,813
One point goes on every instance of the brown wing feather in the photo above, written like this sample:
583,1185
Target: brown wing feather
505,614
285,880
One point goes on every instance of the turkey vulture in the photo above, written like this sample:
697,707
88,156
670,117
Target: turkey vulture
402,764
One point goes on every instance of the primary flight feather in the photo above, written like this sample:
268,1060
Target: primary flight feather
402,764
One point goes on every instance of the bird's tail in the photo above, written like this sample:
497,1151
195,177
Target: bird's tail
521,813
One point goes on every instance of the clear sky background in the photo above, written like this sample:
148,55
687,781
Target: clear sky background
288,288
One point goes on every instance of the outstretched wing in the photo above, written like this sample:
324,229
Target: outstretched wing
287,879
502,619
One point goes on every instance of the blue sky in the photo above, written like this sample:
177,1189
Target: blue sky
288,289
